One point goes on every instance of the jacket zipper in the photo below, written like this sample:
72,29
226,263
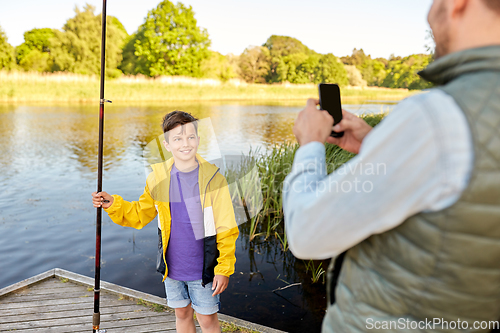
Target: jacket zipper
203,210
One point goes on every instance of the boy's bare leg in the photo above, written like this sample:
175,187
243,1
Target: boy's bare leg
184,321
209,323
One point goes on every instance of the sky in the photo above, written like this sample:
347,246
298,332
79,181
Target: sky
379,27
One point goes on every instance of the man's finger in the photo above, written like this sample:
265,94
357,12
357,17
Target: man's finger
333,141
312,102
345,124
347,114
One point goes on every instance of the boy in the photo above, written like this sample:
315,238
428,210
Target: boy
196,222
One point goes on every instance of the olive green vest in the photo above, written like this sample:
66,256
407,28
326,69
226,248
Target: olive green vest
443,264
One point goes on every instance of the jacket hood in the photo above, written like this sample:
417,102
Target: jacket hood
451,66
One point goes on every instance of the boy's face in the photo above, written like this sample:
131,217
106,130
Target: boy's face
183,142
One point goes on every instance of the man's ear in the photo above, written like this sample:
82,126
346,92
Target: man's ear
167,146
458,7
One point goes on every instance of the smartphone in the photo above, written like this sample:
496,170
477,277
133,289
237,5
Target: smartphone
329,100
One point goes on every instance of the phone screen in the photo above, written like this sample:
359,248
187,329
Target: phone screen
329,100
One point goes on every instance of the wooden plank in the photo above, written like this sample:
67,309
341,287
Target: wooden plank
28,282
64,312
40,289
111,320
77,278
43,290
140,318
30,298
105,308
17,304
156,327
130,327
56,282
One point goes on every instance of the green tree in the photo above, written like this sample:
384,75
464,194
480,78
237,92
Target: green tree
291,61
372,70
77,48
169,42
34,53
354,76
295,68
254,64
331,70
306,70
357,58
6,52
218,66
286,55
36,61
402,72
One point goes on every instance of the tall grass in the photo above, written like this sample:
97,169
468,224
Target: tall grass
21,87
274,165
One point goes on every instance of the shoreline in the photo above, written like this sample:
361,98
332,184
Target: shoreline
63,88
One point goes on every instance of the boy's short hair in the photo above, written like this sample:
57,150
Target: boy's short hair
176,118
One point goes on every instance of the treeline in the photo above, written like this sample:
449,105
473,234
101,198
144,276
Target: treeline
170,42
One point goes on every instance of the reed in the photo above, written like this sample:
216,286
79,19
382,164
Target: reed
316,271
273,166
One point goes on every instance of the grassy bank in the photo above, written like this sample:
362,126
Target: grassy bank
23,87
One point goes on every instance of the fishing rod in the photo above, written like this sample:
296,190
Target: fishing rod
96,318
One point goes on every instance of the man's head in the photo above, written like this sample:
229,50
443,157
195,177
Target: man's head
181,135
463,24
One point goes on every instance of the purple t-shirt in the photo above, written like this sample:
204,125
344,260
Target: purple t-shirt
185,247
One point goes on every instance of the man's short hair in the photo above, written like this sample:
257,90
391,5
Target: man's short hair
493,5
176,118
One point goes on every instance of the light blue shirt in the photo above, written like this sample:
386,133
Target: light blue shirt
419,158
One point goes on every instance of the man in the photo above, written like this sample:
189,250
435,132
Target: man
418,209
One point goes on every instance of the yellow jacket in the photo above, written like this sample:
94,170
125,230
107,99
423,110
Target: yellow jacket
221,230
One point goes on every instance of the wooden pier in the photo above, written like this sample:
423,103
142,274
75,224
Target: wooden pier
60,301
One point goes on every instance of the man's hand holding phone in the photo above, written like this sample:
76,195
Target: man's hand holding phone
316,125
312,124
355,129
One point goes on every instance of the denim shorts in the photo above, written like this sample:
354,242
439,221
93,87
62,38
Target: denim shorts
181,293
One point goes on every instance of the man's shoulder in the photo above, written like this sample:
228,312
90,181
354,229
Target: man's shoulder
415,118
432,106
429,99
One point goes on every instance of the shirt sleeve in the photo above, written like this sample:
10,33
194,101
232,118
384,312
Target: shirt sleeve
397,173
227,229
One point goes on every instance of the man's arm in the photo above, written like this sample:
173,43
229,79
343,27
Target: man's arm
397,173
